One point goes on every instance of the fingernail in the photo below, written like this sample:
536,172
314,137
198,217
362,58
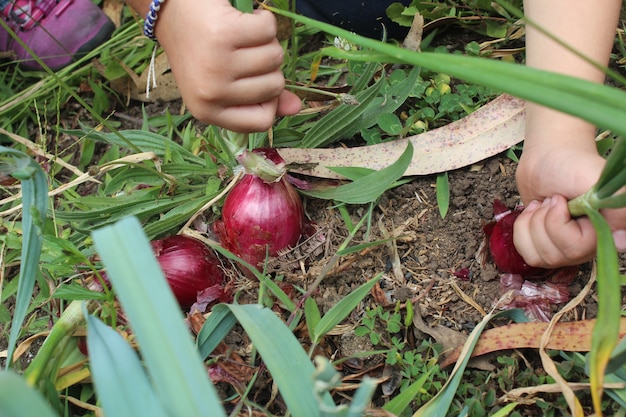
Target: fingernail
546,202
619,237
532,205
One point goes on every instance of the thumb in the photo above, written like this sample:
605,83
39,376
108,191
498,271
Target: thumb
288,104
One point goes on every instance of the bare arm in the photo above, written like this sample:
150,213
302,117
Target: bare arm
560,161
586,25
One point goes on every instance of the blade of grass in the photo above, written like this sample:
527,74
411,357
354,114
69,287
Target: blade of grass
283,355
214,331
122,385
264,279
34,203
312,314
176,370
604,337
370,187
336,124
400,402
340,311
440,403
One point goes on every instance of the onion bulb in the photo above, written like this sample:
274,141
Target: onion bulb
189,266
263,213
499,236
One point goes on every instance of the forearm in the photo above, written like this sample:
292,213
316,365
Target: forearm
588,26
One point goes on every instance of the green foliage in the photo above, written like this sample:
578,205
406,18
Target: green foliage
189,171
391,322
34,203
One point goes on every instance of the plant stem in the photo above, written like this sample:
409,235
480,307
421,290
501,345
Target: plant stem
578,206
48,360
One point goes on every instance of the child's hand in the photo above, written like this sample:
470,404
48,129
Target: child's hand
549,174
227,64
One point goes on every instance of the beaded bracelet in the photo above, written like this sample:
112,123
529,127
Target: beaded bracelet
151,17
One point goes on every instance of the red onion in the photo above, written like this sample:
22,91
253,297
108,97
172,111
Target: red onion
189,266
499,234
263,213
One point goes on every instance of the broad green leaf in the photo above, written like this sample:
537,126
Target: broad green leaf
17,399
352,173
34,203
370,187
390,123
342,309
443,194
382,109
122,385
166,346
283,355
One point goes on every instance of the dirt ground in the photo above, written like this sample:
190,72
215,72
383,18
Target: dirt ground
418,268
421,265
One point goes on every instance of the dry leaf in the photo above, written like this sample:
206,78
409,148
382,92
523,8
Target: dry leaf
449,339
230,368
113,9
380,298
413,39
134,86
568,336
488,131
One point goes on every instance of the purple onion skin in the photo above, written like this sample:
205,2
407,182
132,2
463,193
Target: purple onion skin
188,265
259,219
501,246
